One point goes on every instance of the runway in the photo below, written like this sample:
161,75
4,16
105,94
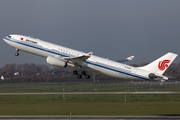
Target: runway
86,93
89,117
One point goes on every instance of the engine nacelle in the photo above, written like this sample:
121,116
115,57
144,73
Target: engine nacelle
55,62
156,77
152,76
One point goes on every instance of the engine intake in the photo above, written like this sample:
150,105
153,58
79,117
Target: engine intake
56,62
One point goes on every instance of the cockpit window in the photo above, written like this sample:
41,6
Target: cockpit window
9,36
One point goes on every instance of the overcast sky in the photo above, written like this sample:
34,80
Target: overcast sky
113,29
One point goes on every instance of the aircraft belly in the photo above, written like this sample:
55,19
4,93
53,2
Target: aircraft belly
117,73
29,49
91,64
36,52
93,67
108,72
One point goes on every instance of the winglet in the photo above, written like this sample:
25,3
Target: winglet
127,59
130,58
90,54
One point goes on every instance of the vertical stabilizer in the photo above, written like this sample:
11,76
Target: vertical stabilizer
160,65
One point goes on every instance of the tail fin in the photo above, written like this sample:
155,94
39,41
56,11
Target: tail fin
160,65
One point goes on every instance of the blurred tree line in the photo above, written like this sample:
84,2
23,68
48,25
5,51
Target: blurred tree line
41,73
44,73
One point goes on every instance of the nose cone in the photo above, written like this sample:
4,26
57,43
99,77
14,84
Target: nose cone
7,39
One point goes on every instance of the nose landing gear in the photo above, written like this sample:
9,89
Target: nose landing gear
17,52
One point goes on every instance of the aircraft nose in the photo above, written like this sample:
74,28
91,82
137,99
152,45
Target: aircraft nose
6,37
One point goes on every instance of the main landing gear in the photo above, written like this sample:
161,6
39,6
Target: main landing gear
17,52
79,76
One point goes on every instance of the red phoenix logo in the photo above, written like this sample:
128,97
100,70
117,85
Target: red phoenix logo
163,64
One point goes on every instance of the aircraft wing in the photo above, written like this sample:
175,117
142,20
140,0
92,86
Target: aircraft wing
127,59
80,60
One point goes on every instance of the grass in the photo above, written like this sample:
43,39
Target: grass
130,108
151,104
85,87
89,105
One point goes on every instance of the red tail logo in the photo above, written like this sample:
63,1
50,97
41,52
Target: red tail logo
163,64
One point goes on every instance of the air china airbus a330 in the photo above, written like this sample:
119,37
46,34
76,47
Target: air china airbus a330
57,55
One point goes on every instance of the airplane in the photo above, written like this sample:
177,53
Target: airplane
61,56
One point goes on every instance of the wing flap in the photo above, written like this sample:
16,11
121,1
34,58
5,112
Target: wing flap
80,60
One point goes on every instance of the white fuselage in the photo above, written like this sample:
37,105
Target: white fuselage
106,66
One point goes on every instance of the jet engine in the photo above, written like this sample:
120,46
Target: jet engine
56,62
156,77
152,76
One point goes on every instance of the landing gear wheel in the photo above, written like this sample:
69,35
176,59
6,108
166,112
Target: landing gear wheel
87,76
83,73
79,76
75,72
17,54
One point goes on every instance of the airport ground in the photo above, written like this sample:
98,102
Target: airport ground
124,104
